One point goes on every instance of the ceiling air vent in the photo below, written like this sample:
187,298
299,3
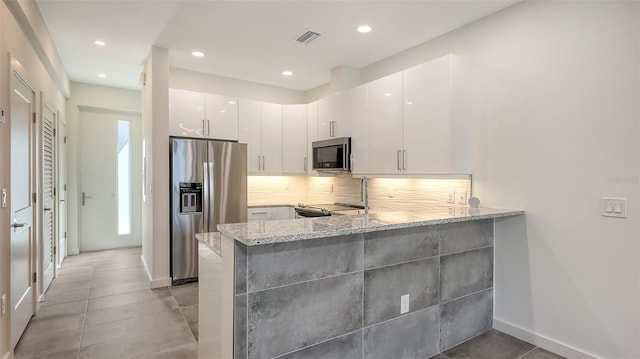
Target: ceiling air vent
307,37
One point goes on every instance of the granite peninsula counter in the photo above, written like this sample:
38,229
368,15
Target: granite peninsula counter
383,285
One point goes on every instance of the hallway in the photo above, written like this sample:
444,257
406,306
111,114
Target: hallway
100,306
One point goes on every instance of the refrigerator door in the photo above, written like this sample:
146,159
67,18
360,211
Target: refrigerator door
228,183
188,206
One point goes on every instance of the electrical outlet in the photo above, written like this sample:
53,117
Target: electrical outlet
3,301
451,197
404,304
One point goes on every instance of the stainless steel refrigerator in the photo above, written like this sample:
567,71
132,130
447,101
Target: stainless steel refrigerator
208,187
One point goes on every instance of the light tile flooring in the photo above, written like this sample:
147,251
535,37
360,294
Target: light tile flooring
100,306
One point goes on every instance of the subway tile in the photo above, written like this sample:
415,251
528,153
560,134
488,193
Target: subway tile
464,318
344,347
463,236
465,273
285,319
490,345
384,286
280,264
240,327
398,246
414,335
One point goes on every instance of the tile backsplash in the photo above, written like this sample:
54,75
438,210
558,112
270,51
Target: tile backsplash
384,193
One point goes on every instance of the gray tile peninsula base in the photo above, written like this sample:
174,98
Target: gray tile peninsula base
340,297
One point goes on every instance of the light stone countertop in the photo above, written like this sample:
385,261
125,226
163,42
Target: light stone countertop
212,240
277,231
270,205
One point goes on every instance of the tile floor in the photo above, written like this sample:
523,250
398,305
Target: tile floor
100,306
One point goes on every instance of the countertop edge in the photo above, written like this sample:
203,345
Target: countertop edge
330,232
211,240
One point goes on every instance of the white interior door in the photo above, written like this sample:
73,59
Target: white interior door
102,222
61,157
47,208
21,110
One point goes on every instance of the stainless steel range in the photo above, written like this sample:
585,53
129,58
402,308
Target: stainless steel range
323,210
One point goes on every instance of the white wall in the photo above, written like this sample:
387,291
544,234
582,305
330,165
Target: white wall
106,98
561,83
155,128
201,82
13,40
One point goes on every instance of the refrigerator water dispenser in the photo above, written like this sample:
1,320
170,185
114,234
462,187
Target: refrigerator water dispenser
190,197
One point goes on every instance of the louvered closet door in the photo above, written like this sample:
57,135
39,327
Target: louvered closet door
48,215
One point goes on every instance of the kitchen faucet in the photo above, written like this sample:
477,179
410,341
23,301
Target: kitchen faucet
364,193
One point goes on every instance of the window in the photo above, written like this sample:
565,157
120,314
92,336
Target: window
124,178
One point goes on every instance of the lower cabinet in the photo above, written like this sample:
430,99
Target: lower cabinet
270,213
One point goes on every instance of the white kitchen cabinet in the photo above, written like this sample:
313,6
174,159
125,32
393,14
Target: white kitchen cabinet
357,97
437,117
260,125
294,139
384,112
333,116
186,113
270,213
312,132
221,117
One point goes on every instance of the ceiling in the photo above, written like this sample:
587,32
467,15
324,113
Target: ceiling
247,40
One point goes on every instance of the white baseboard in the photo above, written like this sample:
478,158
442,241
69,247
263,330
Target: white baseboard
73,251
158,282
543,342
161,282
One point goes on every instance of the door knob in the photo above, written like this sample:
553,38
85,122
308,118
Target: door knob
47,209
17,225
84,198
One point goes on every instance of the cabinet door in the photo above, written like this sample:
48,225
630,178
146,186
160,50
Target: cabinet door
186,113
280,213
341,112
222,117
294,139
427,125
250,133
312,132
359,130
271,138
326,117
385,125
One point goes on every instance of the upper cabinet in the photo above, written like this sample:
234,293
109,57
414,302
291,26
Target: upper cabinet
312,132
195,114
357,112
260,126
222,117
186,113
294,139
333,116
437,108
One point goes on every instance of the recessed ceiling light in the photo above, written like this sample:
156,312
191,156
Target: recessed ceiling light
102,76
231,102
198,53
287,73
364,28
409,103
100,43
387,94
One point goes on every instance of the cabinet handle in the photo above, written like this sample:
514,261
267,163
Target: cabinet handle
259,165
258,213
398,154
404,160
204,128
208,128
263,163
305,163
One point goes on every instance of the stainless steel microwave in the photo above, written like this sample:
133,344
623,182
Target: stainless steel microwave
332,155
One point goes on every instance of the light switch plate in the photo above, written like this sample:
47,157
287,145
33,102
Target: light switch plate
613,207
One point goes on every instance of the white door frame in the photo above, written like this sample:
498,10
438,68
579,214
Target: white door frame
61,186
43,276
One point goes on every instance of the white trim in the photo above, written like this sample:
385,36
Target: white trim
155,283
72,252
161,282
112,111
543,342
8,355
